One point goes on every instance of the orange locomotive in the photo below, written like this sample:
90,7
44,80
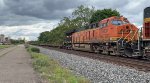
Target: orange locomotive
114,36
110,36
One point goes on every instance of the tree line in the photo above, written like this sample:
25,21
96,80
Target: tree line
80,17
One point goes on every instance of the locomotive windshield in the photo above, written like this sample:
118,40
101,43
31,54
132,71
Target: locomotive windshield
117,22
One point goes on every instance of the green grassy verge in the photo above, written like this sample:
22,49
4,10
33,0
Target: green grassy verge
52,71
4,46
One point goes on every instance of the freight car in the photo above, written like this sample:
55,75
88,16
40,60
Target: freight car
113,36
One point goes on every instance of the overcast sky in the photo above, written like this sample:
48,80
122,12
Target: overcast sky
27,18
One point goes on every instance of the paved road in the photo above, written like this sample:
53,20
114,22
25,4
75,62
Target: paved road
15,66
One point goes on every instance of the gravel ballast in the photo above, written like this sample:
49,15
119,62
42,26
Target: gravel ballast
98,71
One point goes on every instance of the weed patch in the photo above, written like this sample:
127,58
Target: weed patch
52,70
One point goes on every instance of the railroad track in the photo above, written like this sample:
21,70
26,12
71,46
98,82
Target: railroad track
138,64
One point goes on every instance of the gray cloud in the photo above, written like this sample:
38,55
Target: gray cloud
43,9
101,4
12,19
22,12
30,12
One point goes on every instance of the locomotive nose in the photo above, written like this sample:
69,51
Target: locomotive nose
128,32
126,28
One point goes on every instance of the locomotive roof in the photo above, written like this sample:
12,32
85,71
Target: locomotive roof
110,18
90,25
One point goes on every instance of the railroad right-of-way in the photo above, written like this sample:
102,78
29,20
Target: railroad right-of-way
98,71
15,66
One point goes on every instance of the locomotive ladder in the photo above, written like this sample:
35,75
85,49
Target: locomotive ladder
120,50
137,50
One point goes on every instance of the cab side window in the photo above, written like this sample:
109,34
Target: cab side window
117,22
102,25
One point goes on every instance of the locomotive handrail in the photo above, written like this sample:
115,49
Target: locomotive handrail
138,41
127,35
131,32
134,35
120,37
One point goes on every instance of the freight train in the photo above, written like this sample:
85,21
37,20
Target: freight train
112,36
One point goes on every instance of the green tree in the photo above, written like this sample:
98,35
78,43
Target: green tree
83,14
17,41
102,14
43,38
79,17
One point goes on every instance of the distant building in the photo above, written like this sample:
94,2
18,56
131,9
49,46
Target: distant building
4,40
7,40
19,38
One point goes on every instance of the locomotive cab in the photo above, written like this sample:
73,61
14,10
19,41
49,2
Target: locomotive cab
119,28
121,37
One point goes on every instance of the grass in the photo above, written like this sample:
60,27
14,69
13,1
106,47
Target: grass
52,70
4,46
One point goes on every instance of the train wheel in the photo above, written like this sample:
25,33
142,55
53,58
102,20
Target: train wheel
95,49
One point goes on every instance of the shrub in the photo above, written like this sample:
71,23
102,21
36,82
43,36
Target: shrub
37,50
